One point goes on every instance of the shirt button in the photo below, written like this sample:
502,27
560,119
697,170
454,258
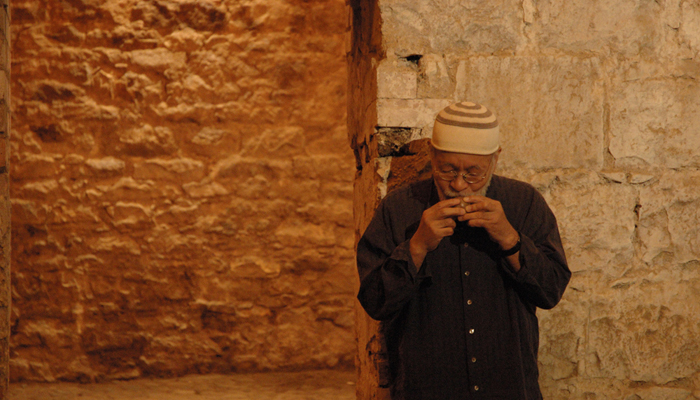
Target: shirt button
476,388
473,359
471,331
466,273
469,302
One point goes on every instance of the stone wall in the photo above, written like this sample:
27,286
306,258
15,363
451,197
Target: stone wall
5,223
181,188
598,103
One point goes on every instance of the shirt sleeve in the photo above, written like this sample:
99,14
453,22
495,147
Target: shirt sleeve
544,273
388,276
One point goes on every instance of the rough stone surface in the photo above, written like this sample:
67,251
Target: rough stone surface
181,188
445,25
654,122
304,385
563,128
5,206
598,109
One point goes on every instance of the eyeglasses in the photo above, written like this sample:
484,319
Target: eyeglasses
469,177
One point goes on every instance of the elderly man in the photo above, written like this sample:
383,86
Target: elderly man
456,266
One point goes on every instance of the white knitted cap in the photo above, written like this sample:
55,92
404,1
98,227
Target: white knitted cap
466,128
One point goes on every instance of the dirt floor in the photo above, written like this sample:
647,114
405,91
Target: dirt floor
308,385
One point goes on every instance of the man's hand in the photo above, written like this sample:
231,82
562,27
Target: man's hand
487,213
436,223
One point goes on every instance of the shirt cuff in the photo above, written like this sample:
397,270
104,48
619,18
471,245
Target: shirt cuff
526,245
403,253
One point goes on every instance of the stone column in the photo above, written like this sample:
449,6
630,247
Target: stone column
364,51
4,198
379,147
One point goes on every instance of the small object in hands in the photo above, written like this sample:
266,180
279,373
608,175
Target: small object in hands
463,203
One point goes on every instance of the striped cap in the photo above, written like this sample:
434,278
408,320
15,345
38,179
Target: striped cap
466,128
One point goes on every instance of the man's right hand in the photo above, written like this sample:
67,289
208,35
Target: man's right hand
436,223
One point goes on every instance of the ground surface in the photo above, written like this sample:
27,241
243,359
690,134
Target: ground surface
308,385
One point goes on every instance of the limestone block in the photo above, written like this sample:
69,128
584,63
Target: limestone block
295,234
126,188
37,165
670,209
642,327
132,86
130,217
255,267
689,26
338,287
321,167
563,334
653,123
281,141
197,88
40,371
180,169
663,393
209,136
48,91
419,113
159,59
115,245
615,176
39,189
89,109
597,233
440,26
434,79
146,141
639,178
337,212
238,166
108,165
626,27
200,15
259,186
535,129
161,353
396,79
86,216
29,211
291,284
633,338
186,40
529,11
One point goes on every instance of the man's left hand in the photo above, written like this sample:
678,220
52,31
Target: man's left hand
487,213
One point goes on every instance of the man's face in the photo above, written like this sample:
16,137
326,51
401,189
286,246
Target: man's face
472,165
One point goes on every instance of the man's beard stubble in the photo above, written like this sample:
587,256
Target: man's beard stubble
481,192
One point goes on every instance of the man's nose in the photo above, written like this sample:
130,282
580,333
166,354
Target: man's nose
459,184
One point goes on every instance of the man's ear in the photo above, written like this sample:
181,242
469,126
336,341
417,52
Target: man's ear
495,157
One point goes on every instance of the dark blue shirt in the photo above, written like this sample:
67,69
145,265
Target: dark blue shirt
465,325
